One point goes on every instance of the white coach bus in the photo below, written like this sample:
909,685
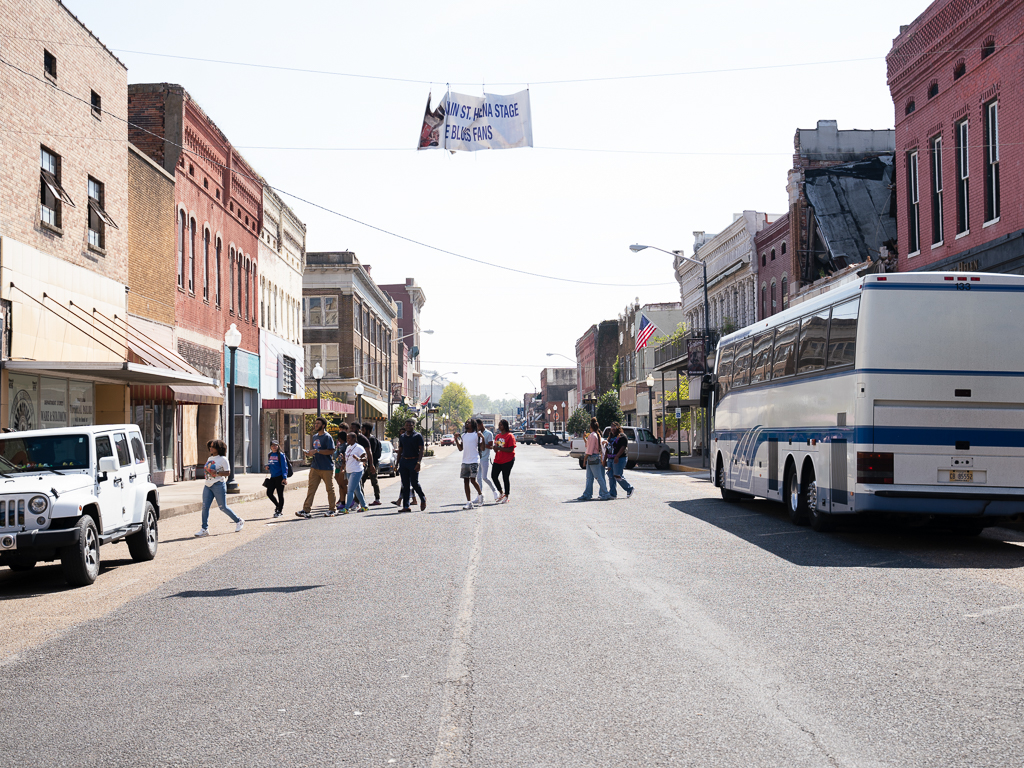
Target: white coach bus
900,393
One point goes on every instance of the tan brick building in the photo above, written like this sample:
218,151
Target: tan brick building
64,228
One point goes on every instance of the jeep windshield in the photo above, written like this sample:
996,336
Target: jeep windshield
46,452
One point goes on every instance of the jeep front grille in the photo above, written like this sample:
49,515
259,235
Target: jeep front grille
12,513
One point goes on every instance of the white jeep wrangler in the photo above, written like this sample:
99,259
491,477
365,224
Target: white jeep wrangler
64,492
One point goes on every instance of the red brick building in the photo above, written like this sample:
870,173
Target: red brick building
775,267
956,75
218,215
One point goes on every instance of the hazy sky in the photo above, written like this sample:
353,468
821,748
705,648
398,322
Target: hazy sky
719,142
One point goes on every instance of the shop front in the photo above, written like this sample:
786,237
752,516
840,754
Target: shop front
246,417
290,421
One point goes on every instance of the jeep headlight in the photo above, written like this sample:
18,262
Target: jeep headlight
38,504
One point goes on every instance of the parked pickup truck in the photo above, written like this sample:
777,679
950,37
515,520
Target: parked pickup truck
65,492
539,437
644,448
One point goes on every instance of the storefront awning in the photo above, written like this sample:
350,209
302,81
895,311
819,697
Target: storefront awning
377,405
307,405
124,372
202,395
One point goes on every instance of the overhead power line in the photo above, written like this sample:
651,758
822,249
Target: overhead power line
352,219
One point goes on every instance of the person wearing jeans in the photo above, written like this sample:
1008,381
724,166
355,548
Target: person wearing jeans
217,471
615,461
594,464
483,474
355,459
410,452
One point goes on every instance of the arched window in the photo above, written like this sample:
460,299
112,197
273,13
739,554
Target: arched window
181,249
248,272
231,280
764,300
240,264
255,283
988,48
933,89
910,107
783,247
764,260
206,264
773,297
959,70
216,279
192,256
773,254
785,301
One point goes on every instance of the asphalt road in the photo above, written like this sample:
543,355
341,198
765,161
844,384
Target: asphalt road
669,628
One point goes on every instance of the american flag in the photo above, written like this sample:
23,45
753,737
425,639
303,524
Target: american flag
646,329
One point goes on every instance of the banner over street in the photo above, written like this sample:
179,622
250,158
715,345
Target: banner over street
471,123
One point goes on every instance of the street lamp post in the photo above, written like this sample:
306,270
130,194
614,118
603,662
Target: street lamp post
318,373
232,338
650,402
707,334
359,401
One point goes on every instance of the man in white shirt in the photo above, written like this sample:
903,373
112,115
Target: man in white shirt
485,461
470,443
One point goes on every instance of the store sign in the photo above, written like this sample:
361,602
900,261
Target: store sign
53,406
82,405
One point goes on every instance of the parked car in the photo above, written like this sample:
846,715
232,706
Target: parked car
643,448
387,464
447,439
518,435
69,491
539,437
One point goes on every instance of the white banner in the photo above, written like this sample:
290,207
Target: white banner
472,123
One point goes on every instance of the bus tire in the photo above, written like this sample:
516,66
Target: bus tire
822,522
727,495
793,496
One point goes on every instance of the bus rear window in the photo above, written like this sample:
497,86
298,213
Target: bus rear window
813,339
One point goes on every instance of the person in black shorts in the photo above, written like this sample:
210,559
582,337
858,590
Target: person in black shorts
410,452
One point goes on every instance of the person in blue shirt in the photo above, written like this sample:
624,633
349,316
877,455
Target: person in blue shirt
321,467
277,463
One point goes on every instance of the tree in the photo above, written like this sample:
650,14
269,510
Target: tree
670,414
608,408
455,405
678,333
579,422
396,423
616,373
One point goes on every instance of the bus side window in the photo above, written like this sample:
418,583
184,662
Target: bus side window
785,350
741,366
842,334
724,372
760,370
813,340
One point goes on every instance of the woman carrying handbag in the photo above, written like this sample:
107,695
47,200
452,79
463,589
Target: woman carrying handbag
594,464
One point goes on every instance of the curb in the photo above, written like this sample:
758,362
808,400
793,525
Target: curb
685,468
239,498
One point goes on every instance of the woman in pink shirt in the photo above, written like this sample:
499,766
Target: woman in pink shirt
593,463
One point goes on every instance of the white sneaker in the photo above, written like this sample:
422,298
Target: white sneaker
201,532
469,505
503,500
479,500
238,525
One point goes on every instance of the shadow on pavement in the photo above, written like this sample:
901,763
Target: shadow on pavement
861,543
234,591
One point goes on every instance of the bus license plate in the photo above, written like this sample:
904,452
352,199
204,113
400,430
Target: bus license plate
961,476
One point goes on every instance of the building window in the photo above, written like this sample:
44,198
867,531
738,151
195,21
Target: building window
97,104
909,108
959,70
206,264
238,298
785,294
773,297
356,314
326,355
49,64
254,269
764,260
366,321
182,228
933,89
320,311
357,363
398,304
248,272
992,161
937,211
913,208
288,375
98,218
192,256
773,254
783,247
216,278
764,301
231,279
51,193
988,48
963,190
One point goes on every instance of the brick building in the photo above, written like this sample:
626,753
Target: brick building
218,217
409,300
635,365
595,361
349,324
956,74
64,246
775,270
555,384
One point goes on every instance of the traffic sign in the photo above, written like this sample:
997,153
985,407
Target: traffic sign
679,413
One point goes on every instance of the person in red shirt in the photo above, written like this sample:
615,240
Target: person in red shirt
504,458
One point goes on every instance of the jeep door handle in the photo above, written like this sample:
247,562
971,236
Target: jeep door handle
131,477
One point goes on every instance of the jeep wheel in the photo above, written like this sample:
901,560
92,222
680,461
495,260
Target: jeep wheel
81,560
142,545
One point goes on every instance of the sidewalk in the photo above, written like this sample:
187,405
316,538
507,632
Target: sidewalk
688,464
187,496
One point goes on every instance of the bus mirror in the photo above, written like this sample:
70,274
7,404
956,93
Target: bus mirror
707,384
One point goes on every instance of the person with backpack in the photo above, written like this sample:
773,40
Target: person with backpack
280,470
371,471
615,461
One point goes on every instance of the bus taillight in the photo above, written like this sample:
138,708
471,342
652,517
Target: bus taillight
875,468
